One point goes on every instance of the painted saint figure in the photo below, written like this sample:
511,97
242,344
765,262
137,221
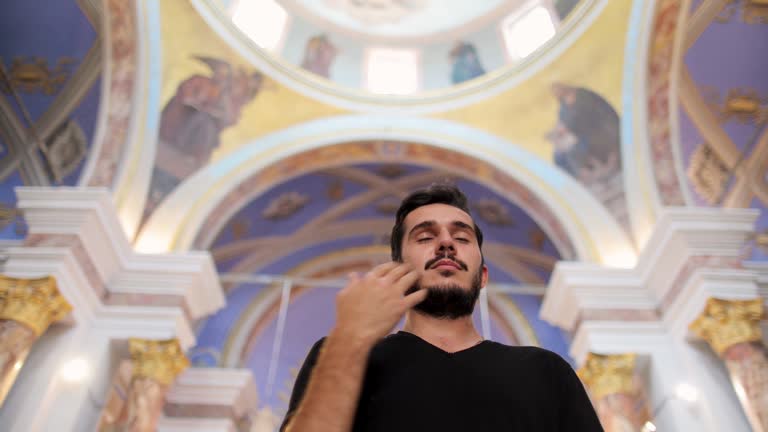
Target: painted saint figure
586,137
319,55
466,64
193,119
587,145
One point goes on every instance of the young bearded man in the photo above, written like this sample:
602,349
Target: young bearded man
437,374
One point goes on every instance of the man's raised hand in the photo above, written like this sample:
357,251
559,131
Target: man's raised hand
370,305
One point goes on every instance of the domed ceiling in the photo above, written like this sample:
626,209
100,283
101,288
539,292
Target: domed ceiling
400,46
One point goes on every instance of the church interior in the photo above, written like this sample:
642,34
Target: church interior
186,185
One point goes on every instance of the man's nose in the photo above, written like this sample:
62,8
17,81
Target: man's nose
445,242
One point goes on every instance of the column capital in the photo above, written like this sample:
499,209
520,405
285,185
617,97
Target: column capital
606,374
724,323
159,360
35,303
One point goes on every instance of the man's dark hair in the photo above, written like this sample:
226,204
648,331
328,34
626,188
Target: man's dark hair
435,194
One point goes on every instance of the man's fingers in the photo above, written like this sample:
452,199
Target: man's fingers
407,280
415,298
396,273
382,269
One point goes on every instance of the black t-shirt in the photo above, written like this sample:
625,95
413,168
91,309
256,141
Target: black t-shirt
412,385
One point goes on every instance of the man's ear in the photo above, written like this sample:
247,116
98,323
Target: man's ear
484,276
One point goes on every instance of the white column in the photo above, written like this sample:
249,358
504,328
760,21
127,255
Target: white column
693,254
116,294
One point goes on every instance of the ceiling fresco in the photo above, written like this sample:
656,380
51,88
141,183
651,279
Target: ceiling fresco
352,43
328,223
724,108
549,115
50,64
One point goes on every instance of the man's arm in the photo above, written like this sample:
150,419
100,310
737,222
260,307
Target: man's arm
366,310
576,410
330,399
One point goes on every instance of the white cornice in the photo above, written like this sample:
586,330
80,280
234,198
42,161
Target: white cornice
120,322
681,233
89,215
617,337
60,263
233,388
733,284
147,322
194,424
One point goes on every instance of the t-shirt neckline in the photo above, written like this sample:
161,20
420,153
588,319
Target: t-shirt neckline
465,350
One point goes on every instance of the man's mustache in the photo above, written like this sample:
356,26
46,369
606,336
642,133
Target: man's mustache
437,259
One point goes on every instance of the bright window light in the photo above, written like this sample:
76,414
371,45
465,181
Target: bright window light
523,34
74,370
263,21
392,71
648,427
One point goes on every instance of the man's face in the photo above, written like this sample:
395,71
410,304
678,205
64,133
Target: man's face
440,241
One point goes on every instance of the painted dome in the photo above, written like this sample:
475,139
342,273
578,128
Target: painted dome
401,47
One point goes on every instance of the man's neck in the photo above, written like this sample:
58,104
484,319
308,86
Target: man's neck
446,334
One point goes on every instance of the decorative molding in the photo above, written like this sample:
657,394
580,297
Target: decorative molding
64,217
724,323
665,48
171,424
681,237
233,389
36,303
113,128
616,337
158,360
149,322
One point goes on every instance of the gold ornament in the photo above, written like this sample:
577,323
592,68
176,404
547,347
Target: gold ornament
35,303
159,360
608,374
725,323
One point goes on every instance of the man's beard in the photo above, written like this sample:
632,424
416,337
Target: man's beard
449,300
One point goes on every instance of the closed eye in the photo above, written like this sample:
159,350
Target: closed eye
424,239
462,240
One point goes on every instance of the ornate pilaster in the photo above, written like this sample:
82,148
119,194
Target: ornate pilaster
618,395
732,329
27,308
155,364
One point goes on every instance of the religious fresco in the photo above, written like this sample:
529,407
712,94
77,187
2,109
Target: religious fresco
49,99
319,55
465,62
587,145
193,119
185,35
723,116
524,113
